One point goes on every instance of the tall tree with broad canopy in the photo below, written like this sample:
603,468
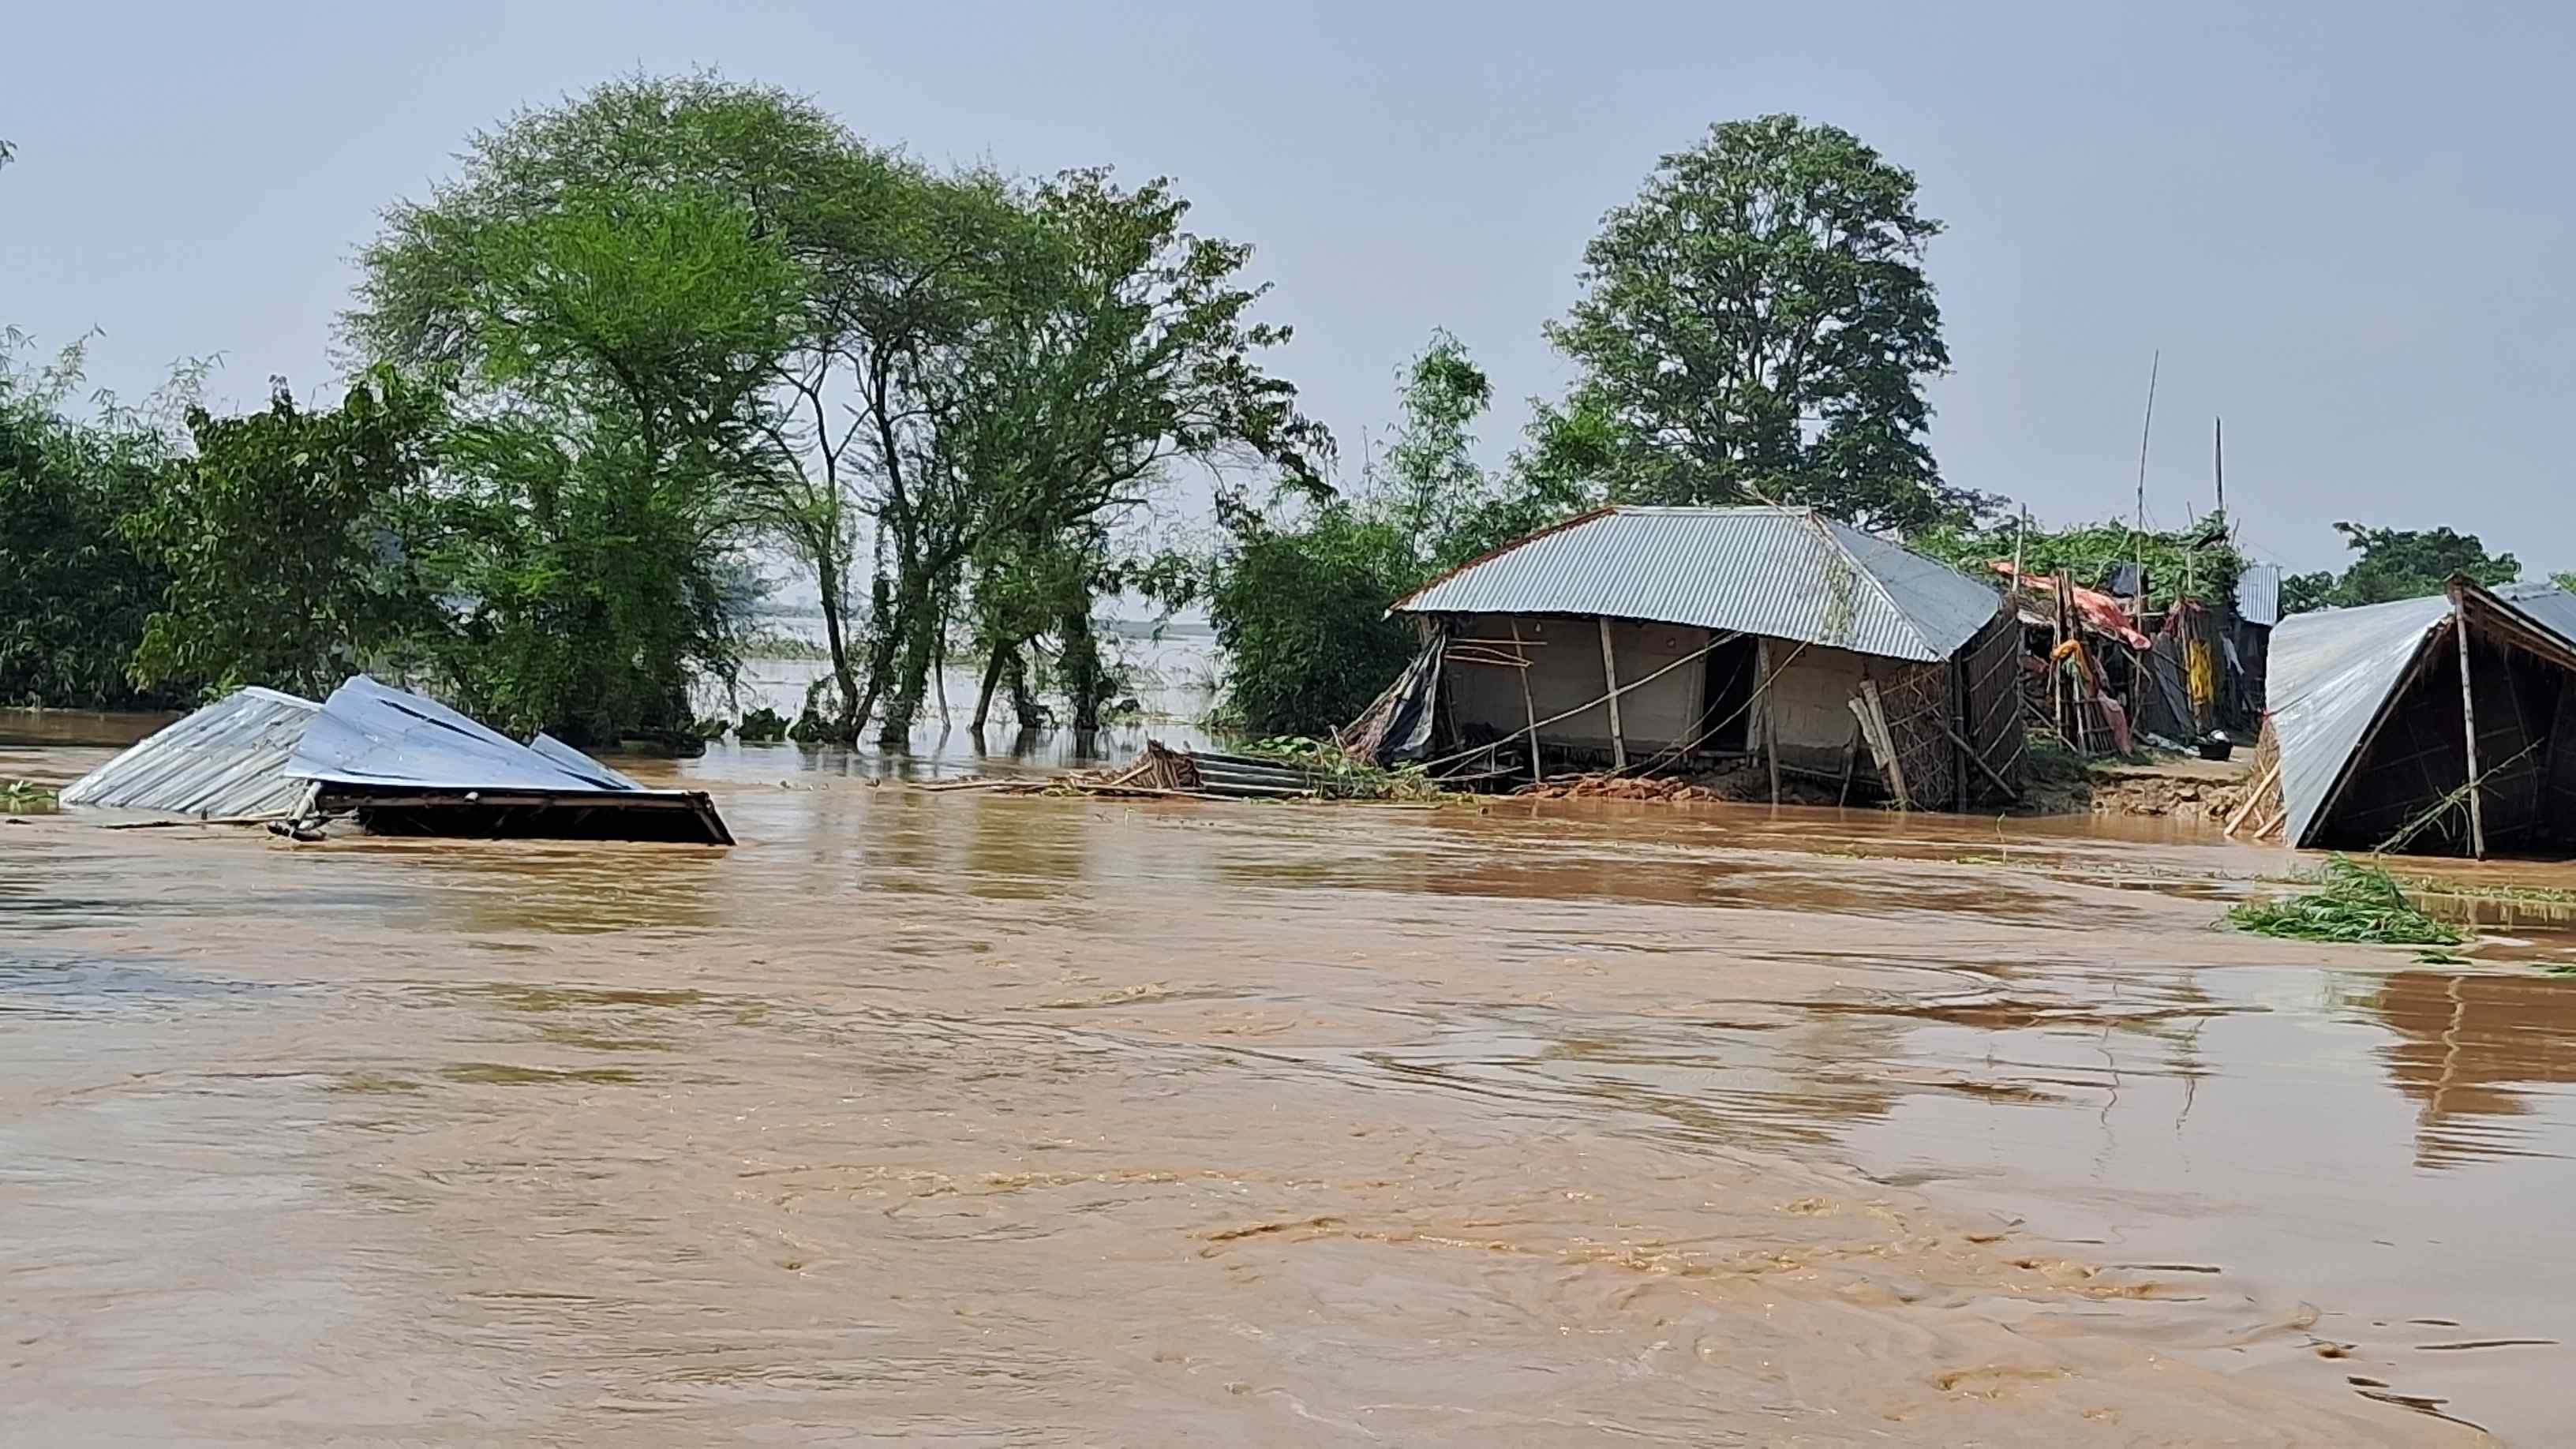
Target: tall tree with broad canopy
1757,324
859,276
1125,347
616,339
953,358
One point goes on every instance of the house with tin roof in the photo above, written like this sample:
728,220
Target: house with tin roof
1650,639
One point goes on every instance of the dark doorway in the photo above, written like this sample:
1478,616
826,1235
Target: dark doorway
1727,697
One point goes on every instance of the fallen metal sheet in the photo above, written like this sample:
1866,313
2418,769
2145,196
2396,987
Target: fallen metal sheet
407,765
368,734
224,762
398,763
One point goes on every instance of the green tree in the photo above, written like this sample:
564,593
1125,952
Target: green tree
1431,479
74,593
1301,603
856,257
1757,324
277,535
619,324
2396,563
1122,346
1301,615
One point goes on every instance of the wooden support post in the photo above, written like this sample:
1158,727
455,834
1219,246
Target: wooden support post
1610,681
2057,671
1770,716
1530,706
1872,715
2469,725
1958,672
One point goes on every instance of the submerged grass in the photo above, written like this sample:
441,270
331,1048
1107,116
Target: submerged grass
2351,902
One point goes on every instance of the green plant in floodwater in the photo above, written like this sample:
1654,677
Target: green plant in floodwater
1344,776
25,794
2351,902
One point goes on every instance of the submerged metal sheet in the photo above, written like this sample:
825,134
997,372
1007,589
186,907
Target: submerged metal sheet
225,761
373,748
368,734
1789,573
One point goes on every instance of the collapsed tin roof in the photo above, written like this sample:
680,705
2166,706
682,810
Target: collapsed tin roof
394,761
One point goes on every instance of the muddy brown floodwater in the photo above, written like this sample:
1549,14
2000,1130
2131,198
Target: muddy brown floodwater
991,1120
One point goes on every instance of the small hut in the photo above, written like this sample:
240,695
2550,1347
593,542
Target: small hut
1676,638
2441,725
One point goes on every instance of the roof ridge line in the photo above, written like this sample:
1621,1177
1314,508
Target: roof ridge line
1885,596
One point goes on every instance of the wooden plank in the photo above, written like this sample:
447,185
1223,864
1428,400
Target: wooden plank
1610,681
1866,708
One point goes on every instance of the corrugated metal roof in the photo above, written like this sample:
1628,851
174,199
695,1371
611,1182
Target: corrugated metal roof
1789,573
2332,671
2545,604
258,751
224,761
368,734
2258,594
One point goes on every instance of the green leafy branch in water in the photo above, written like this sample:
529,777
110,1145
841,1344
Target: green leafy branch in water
25,795
2352,902
1344,776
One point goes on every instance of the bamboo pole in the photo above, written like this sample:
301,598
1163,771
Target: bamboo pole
2253,797
2469,726
1528,705
1610,681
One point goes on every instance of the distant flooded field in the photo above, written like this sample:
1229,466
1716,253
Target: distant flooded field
1038,1120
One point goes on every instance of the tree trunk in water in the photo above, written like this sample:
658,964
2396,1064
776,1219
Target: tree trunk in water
1024,705
880,652
1002,654
914,641
1081,668
844,730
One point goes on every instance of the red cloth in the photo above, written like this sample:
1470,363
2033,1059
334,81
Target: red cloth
2103,612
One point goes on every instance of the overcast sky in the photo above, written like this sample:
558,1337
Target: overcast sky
2348,229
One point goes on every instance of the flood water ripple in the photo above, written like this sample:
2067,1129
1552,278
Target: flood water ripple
1023,1121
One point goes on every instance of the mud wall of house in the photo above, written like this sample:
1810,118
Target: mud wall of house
1809,703
1565,673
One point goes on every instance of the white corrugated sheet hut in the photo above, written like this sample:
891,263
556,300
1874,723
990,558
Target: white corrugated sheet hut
1653,638
2382,716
